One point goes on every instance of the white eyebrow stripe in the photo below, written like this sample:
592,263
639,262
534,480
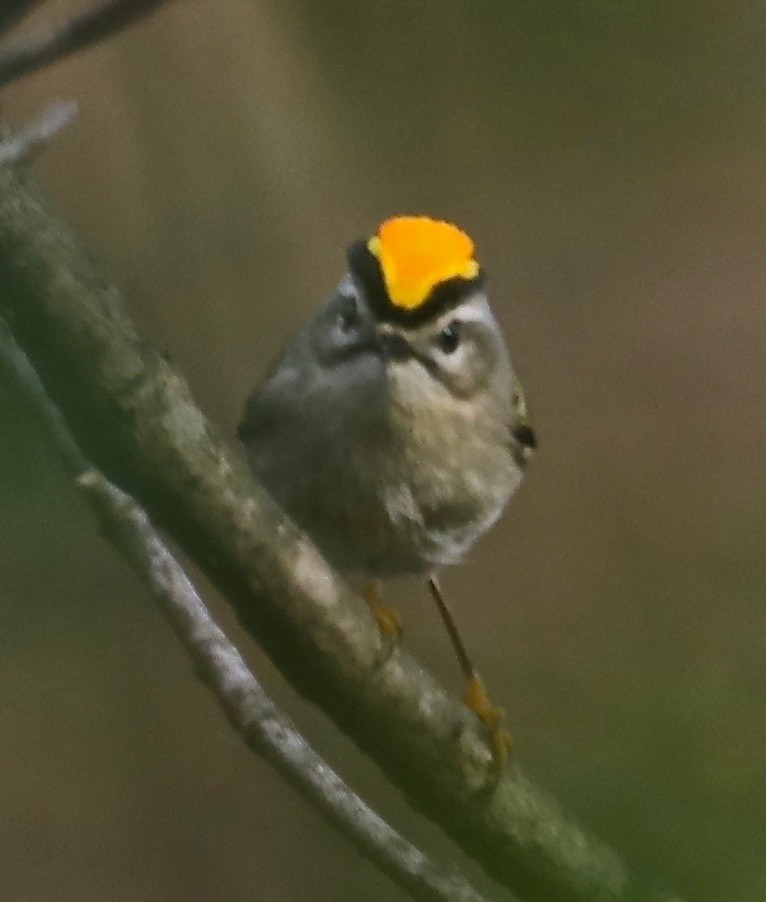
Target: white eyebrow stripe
346,286
474,308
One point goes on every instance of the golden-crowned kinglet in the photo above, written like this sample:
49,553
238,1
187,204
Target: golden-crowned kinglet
393,427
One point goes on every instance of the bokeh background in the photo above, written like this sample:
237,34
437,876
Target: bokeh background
609,160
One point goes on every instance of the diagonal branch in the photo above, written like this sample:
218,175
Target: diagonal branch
133,415
253,715
262,725
36,51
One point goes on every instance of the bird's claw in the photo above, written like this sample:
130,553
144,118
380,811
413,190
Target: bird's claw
492,717
388,621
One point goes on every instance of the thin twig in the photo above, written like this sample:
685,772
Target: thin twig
35,51
16,369
24,143
13,11
265,729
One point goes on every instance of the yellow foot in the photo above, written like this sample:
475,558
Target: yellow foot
477,700
388,619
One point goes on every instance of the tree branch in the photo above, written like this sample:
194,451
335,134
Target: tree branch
36,51
265,729
132,413
262,725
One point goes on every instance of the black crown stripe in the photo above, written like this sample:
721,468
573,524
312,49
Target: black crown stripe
365,268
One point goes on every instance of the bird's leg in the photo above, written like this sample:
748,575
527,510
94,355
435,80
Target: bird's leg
388,619
476,697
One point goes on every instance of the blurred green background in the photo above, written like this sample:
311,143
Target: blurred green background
608,157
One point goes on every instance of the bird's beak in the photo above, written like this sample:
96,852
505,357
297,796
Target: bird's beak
394,345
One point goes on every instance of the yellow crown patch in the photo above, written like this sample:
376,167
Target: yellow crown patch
417,253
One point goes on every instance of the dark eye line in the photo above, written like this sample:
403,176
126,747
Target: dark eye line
348,315
449,337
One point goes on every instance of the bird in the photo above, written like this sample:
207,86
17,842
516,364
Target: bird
393,427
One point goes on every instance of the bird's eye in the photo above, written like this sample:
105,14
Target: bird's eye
449,337
348,314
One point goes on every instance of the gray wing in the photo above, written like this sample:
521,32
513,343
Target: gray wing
523,437
261,415
272,404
